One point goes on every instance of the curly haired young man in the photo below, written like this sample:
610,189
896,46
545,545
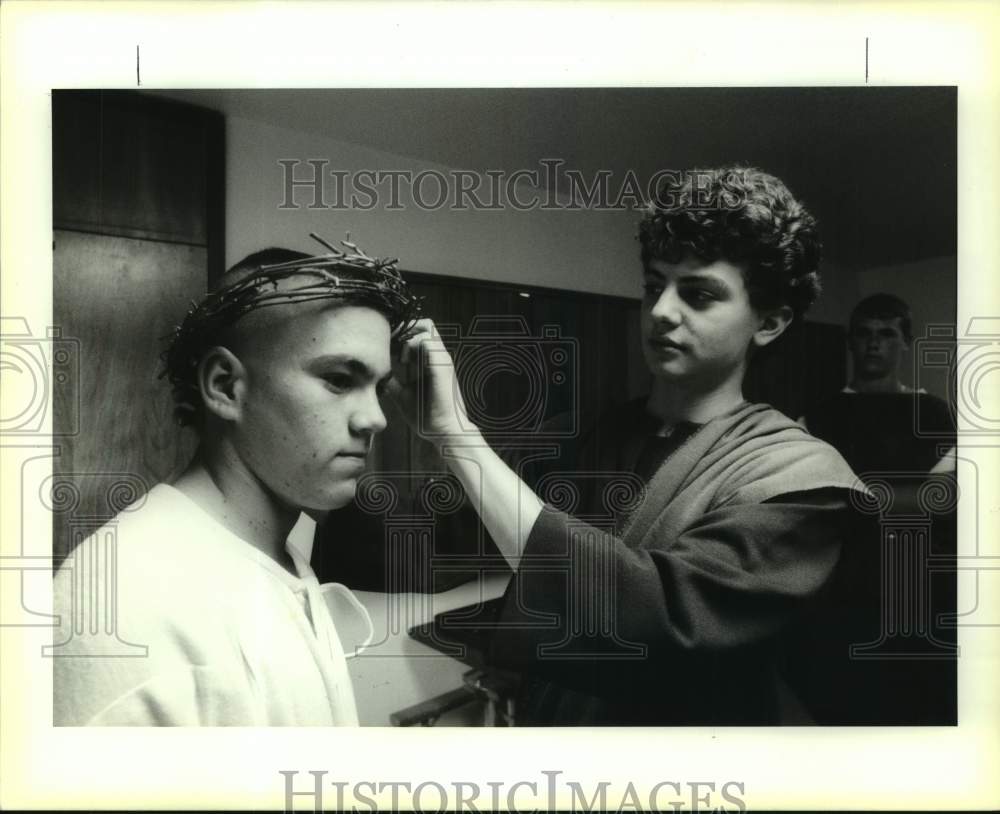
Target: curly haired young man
675,615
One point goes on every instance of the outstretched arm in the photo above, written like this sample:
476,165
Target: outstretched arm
428,393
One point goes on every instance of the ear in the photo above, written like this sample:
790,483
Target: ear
222,382
772,325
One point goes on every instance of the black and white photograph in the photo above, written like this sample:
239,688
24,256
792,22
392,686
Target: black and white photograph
584,455
624,413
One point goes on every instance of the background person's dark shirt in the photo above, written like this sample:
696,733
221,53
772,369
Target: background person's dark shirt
885,432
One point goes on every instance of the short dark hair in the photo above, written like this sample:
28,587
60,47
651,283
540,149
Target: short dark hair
346,278
884,306
253,263
743,215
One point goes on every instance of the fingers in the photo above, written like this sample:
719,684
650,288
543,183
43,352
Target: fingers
422,332
424,325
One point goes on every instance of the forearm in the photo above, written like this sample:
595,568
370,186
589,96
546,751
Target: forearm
427,391
736,579
506,505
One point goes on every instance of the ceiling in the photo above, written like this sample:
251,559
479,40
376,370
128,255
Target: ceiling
877,166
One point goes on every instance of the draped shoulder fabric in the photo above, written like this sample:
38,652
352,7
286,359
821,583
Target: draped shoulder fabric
673,613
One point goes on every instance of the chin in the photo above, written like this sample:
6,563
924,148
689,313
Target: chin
336,497
665,370
875,372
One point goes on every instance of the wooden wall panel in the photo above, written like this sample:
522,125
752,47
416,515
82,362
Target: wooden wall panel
487,323
807,364
118,298
604,334
138,216
130,165
119,169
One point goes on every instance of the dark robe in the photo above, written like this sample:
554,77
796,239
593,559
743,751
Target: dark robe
670,607
892,440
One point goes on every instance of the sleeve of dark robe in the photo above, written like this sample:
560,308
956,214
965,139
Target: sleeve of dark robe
586,610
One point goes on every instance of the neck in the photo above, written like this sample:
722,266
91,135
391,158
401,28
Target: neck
220,483
884,384
673,402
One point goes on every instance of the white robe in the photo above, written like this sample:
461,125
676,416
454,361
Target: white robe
167,618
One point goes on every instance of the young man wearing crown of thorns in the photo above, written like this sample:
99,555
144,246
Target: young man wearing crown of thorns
279,370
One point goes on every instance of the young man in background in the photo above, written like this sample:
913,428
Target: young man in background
872,421
901,442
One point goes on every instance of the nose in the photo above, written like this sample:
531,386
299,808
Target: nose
667,308
368,419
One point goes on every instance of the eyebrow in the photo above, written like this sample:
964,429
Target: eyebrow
352,363
701,279
883,329
706,279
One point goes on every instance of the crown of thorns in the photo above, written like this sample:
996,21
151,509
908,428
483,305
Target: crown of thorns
352,275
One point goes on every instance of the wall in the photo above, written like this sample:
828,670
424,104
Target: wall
581,250
840,292
929,286
137,217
